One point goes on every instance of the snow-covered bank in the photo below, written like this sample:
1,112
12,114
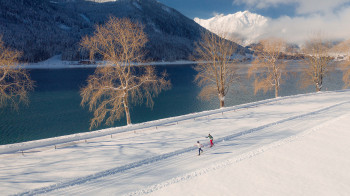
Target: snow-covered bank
56,62
56,141
272,142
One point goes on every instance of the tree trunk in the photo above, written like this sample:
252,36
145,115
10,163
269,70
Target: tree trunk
318,89
127,112
276,91
222,104
221,99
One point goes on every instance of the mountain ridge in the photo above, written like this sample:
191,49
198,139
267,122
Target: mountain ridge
42,28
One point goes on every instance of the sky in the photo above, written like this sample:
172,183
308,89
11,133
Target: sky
293,18
205,9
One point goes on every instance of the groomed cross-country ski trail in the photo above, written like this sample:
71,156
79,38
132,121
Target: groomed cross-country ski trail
150,158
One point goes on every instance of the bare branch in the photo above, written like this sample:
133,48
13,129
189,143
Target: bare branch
318,61
268,66
216,68
15,82
112,88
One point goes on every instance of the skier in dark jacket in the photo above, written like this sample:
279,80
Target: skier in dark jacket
211,140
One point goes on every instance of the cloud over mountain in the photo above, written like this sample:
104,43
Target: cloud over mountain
331,21
296,29
302,6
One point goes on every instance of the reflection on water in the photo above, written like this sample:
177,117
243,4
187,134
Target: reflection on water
55,110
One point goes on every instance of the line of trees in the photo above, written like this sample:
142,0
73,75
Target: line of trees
217,70
119,82
270,64
115,85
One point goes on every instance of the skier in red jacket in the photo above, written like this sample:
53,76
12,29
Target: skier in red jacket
211,140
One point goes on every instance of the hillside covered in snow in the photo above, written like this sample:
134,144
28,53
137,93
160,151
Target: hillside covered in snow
244,27
296,145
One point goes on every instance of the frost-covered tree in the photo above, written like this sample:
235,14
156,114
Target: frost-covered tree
15,82
268,66
344,48
114,86
318,61
217,70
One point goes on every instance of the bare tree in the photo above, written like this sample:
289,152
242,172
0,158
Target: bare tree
217,70
268,66
318,62
119,82
15,82
344,47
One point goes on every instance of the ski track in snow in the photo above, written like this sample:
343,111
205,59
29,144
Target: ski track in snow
242,149
239,158
22,147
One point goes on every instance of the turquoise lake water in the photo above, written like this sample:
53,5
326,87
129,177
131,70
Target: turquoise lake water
54,108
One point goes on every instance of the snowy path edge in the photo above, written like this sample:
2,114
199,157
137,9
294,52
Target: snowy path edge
181,151
20,147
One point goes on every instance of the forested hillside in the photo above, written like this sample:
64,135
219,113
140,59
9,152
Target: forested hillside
43,28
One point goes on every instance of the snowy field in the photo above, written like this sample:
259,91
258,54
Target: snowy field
297,145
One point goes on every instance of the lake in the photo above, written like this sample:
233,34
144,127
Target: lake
54,108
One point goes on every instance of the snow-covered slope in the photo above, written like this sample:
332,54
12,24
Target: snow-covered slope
295,145
245,26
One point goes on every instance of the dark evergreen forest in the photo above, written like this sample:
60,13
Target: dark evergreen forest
43,28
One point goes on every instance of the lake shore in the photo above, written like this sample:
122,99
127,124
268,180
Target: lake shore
56,62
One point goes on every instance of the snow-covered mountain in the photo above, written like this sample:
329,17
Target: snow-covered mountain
244,27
